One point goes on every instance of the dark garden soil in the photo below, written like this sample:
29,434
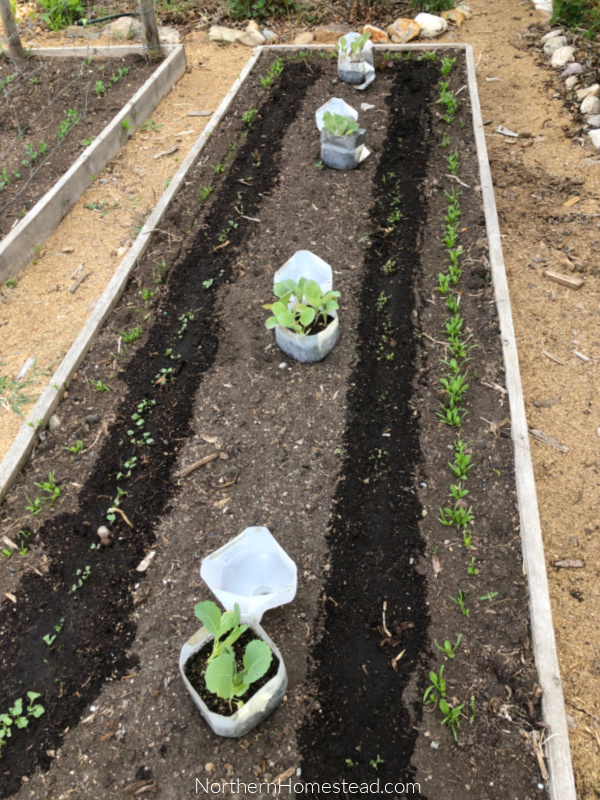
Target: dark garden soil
46,111
344,461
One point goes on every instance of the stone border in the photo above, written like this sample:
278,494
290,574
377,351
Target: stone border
18,247
561,780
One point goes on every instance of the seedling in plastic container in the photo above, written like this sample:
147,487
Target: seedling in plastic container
460,602
303,314
339,124
448,648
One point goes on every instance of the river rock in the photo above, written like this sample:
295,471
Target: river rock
329,34
464,9
269,35
306,37
431,26
550,35
554,44
403,30
252,26
54,422
219,33
454,15
572,69
562,56
590,105
595,137
124,27
168,35
377,35
571,81
594,89
593,120
251,38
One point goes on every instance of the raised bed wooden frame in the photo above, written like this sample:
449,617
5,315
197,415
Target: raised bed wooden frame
561,780
19,246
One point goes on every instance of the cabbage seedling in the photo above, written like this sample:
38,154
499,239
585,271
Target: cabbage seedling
354,49
218,625
222,677
339,124
313,304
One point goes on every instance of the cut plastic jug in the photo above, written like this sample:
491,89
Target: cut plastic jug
335,106
304,264
360,72
252,570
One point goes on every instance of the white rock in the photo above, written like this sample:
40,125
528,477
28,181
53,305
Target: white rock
593,90
552,45
252,26
571,81
595,137
550,35
103,532
562,57
431,26
268,34
591,105
545,5
54,422
218,33
572,69
252,38
168,35
464,9
593,120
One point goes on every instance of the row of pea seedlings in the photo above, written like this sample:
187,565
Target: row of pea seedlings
452,413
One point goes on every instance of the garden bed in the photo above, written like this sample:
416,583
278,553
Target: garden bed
345,461
61,124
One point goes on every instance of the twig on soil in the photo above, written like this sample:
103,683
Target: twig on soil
556,359
197,465
122,513
396,660
385,630
539,755
435,341
583,710
77,271
458,180
252,219
549,440
79,281
103,429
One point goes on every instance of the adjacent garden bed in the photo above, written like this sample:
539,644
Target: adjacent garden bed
404,527
50,112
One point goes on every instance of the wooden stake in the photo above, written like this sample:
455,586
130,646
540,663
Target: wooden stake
149,26
13,40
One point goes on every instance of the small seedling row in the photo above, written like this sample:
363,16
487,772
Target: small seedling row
397,503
